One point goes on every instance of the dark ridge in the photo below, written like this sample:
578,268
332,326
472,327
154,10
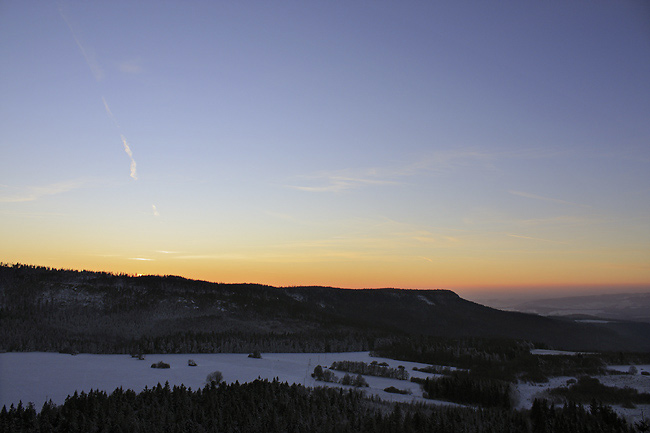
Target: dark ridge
54,309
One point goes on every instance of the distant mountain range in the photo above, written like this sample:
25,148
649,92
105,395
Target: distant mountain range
629,306
50,309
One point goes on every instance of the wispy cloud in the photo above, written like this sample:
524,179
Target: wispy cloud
337,183
32,193
127,149
531,153
374,236
132,66
33,214
290,218
547,199
214,257
486,217
431,238
155,210
142,259
436,162
86,51
446,161
559,220
530,238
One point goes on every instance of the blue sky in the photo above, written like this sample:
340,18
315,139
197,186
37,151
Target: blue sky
358,144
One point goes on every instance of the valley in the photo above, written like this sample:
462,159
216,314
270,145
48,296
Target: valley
75,334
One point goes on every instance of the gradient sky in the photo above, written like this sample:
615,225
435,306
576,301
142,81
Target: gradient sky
416,144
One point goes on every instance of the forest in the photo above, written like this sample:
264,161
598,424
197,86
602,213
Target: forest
586,389
501,359
272,406
462,387
45,309
372,369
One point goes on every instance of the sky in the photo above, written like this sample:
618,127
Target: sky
467,145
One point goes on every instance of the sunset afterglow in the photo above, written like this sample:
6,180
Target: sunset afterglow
460,145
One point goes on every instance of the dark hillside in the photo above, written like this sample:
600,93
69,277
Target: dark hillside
49,309
444,313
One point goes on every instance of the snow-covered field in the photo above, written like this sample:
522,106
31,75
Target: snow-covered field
626,368
527,392
637,381
37,377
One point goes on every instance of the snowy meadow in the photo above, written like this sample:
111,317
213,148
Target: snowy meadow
38,377
41,376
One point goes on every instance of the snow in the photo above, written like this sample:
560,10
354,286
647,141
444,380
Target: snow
527,392
73,295
626,368
636,381
426,300
37,377
553,352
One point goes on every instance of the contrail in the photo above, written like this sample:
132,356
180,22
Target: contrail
110,113
127,149
92,63
98,73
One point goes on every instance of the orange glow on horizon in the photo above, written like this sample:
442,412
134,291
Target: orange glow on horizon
355,275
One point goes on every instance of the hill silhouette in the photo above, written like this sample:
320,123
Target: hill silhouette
66,310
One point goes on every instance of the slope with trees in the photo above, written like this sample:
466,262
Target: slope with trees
46,309
279,407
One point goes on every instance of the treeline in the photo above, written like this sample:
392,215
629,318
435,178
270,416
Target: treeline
587,389
575,418
434,369
625,358
357,381
372,369
464,388
30,339
508,360
491,356
43,309
279,407
245,342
